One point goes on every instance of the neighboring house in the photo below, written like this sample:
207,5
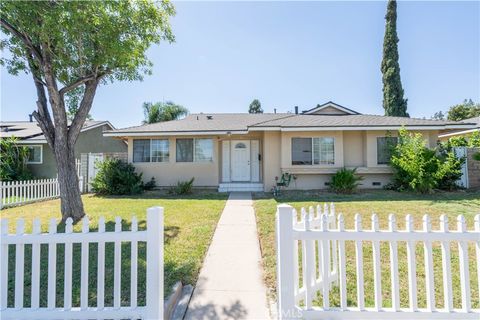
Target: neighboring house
42,161
463,132
250,151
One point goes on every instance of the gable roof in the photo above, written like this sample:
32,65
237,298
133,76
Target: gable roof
30,132
225,123
330,104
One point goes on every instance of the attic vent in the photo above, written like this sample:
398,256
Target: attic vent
376,183
209,117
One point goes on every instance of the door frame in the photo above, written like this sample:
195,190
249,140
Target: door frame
232,151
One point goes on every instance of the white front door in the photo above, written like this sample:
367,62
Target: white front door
240,160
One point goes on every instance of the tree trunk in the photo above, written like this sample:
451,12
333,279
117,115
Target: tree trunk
70,198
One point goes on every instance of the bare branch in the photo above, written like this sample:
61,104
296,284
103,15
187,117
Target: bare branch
25,39
43,115
47,132
77,83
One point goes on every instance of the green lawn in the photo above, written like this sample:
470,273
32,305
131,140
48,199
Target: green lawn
189,225
382,203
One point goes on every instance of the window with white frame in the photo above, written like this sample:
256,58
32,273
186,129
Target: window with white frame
316,151
194,150
151,150
385,147
35,154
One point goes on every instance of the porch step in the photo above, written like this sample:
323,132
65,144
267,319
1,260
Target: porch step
239,186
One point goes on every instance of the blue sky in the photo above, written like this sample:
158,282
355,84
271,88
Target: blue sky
292,53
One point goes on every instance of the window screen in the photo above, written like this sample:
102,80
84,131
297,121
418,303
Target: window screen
160,152
34,154
141,150
203,150
384,149
184,150
301,151
323,151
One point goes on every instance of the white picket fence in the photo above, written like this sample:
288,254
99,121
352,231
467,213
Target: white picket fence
323,241
153,236
18,192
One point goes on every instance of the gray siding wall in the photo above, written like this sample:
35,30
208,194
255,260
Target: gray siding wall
89,141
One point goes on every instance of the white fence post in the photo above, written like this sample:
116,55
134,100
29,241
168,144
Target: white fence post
155,263
285,262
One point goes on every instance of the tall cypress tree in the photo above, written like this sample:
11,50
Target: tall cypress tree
393,101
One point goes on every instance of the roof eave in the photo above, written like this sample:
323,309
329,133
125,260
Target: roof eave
171,133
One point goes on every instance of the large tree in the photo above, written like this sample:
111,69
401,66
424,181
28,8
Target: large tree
163,111
255,107
465,110
393,101
70,48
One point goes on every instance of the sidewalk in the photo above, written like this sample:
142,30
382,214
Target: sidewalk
230,284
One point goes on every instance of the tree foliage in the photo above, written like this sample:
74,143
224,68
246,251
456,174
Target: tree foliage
393,101
13,162
163,111
472,141
70,48
438,116
467,109
255,107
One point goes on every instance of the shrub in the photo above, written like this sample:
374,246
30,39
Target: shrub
451,169
474,140
150,184
345,181
182,187
421,169
13,160
116,177
476,156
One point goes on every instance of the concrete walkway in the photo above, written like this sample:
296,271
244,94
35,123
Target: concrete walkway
230,284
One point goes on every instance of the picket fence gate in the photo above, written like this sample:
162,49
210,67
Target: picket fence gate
322,236
153,236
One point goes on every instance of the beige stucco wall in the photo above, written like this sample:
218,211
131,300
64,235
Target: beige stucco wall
371,144
352,149
206,174
272,147
287,147
88,141
356,149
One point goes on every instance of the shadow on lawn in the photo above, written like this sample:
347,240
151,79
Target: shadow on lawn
459,197
163,194
185,271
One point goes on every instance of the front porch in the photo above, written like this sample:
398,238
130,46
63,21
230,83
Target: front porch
240,186
241,168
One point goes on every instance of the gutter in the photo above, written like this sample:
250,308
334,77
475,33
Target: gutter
170,133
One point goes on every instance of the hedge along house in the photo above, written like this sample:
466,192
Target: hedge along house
234,152
42,161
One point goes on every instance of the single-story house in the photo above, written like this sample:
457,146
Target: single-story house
42,161
466,132
232,151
